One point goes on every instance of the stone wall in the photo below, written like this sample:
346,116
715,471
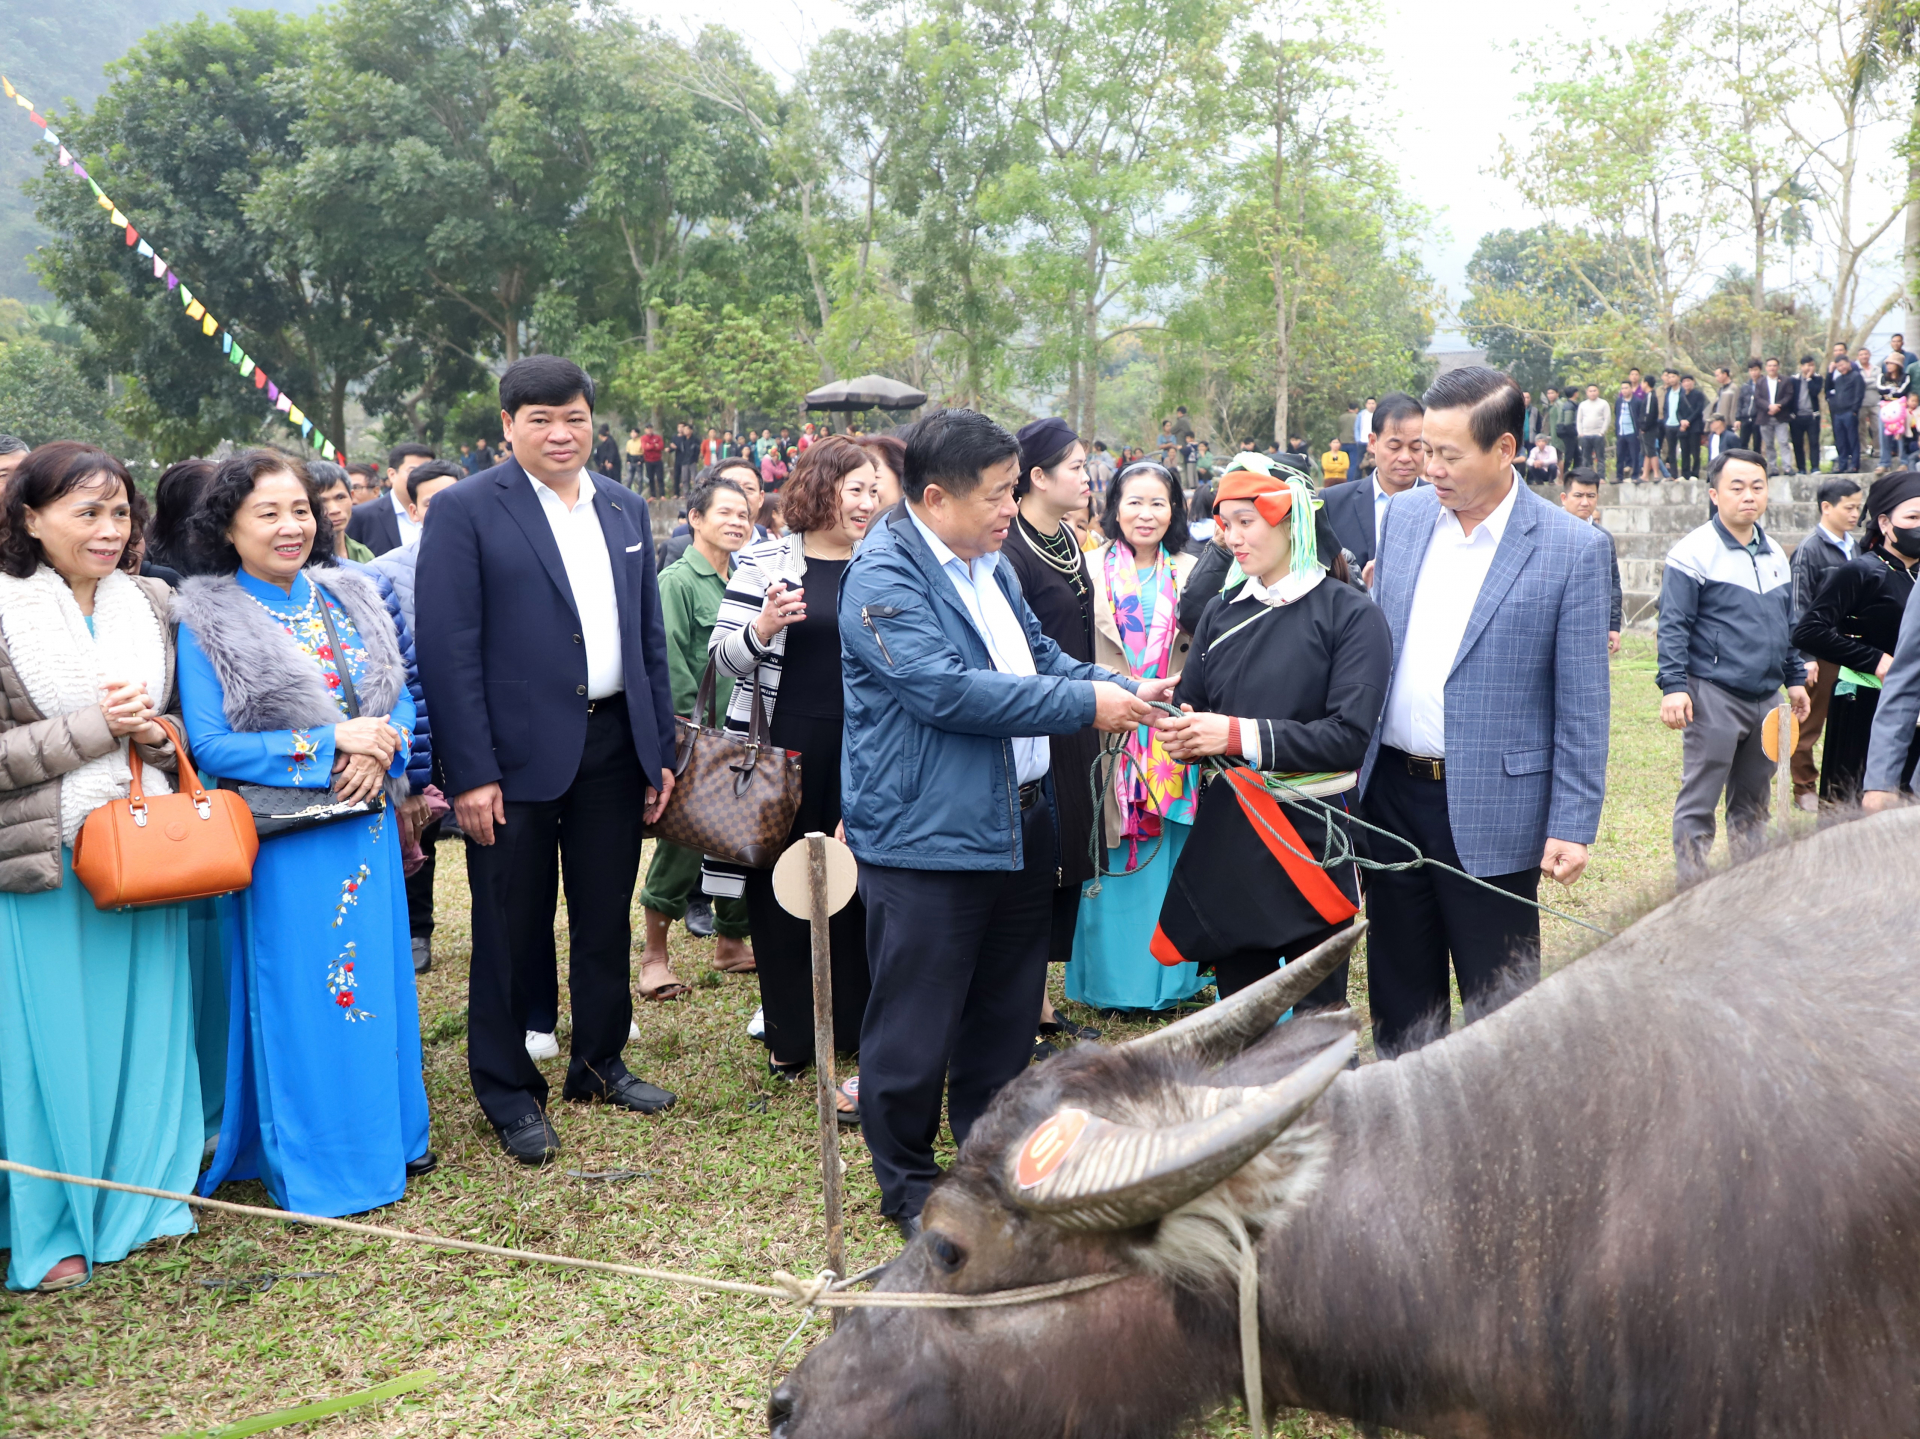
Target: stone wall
1646,519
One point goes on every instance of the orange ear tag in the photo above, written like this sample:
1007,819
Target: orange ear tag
1048,1145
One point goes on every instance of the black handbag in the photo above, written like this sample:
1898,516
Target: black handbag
284,809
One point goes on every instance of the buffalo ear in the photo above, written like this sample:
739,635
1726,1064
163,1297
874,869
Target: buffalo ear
1079,1171
1220,1031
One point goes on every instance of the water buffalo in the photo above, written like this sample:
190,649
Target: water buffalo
1674,1190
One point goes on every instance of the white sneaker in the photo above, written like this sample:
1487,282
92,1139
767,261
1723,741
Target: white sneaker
542,1046
633,1031
757,1026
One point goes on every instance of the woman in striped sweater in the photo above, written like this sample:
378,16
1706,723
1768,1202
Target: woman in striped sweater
779,619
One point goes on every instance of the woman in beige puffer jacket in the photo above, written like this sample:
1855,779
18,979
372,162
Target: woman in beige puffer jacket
97,1069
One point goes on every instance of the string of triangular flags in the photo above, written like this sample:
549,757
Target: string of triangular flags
196,308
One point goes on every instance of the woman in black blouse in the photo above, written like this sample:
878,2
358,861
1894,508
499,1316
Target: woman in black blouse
1854,623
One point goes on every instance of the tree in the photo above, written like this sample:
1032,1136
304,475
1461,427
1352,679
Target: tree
713,364
1616,154
194,124
1122,97
1890,55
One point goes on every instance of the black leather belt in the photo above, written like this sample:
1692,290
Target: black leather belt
1420,766
1029,795
618,697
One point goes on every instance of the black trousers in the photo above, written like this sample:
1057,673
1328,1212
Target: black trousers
1671,436
1236,971
1846,442
1593,451
1749,434
420,886
1626,462
959,960
782,943
1806,442
593,830
1417,918
1690,455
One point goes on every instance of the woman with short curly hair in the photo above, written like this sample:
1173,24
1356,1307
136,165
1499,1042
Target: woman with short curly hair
779,621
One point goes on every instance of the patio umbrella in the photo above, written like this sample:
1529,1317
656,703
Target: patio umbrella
869,392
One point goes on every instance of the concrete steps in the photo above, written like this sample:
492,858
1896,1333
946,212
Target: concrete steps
1646,519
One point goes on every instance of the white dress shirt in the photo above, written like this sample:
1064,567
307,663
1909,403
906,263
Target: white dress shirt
409,531
1380,498
997,624
1451,575
583,553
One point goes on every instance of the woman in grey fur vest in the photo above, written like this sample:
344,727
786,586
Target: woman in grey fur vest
325,1101
97,1073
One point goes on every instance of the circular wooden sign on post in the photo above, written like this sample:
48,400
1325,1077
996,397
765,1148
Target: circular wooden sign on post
793,889
1770,733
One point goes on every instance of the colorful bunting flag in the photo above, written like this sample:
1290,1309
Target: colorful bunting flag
162,271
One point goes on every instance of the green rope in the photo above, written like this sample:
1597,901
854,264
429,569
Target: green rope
1335,851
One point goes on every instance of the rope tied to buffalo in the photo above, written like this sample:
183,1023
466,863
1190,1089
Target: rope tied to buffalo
821,1291
1338,848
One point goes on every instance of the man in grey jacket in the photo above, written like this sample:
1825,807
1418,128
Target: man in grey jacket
1726,648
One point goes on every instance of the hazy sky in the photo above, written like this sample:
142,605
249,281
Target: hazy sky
1444,70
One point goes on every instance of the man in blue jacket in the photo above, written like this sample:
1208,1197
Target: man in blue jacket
1726,648
544,655
951,691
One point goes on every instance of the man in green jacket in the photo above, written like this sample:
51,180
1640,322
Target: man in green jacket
690,592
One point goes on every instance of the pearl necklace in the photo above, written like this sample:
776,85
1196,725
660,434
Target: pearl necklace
305,612
1058,552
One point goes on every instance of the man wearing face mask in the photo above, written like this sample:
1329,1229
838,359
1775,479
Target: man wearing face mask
1854,625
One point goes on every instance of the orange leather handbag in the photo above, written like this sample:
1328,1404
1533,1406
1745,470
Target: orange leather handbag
191,845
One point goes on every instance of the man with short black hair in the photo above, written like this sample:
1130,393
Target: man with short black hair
382,523
1491,754
1803,417
1726,399
1580,497
1563,414
543,653
13,454
1773,406
1825,550
1846,393
1750,408
951,691
652,446
1627,435
1726,648
606,453
1672,423
1399,457
686,458
1591,426
1693,410
691,589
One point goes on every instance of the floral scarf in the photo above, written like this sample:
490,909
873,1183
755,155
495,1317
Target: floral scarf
1151,785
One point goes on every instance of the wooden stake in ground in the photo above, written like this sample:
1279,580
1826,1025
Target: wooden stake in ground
814,880
1779,736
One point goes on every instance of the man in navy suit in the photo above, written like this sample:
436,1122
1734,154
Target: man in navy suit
1399,458
1491,755
540,634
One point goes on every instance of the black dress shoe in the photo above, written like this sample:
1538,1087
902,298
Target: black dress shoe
531,1140
699,918
908,1225
425,1164
630,1093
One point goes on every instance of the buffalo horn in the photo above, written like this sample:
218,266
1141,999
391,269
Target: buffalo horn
1079,1171
1220,1031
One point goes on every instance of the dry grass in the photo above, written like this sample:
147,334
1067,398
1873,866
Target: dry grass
728,1187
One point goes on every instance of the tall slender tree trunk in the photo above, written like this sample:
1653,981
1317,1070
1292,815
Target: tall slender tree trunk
1910,259
1282,332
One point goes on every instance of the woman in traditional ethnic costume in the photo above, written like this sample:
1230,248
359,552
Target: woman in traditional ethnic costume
325,1102
1288,674
1137,578
1854,623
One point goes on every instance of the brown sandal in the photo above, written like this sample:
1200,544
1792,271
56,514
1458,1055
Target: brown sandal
661,993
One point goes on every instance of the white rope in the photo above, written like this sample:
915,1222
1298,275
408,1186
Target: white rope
809,1293
1250,1328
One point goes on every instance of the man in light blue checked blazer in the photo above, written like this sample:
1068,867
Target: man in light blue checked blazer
1492,753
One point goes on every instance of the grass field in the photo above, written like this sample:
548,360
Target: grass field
181,1338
